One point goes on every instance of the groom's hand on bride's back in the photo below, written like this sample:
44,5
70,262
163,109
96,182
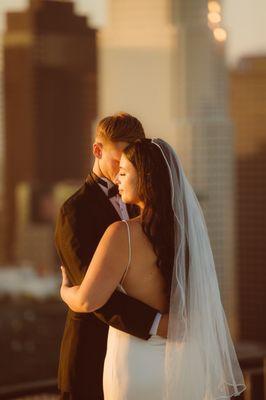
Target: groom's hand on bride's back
163,326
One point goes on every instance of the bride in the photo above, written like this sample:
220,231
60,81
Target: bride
162,258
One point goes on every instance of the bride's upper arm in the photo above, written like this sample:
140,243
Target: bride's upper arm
107,266
112,247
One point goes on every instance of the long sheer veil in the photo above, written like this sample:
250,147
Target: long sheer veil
200,360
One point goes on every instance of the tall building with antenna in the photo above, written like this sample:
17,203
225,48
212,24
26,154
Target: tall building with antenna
204,132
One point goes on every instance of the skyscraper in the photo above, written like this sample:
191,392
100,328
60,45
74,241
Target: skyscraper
50,99
248,109
204,135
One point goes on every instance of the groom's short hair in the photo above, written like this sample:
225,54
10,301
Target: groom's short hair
120,127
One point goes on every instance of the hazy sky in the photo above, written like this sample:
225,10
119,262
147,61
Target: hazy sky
245,21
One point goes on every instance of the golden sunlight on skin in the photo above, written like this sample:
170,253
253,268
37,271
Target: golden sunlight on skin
127,181
107,157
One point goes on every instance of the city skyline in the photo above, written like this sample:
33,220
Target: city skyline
245,23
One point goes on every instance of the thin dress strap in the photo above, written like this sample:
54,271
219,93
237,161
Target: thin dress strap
129,251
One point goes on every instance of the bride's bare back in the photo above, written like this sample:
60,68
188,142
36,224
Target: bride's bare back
143,279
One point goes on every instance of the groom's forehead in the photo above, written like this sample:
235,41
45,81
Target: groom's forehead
115,146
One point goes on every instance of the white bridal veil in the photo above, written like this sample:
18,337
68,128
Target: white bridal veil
200,361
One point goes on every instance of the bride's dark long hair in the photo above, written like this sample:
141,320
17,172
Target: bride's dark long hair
154,189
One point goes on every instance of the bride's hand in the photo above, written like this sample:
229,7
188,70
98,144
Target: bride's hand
65,281
65,284
163,326
69,293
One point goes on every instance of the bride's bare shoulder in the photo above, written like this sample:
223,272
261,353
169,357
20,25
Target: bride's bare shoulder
114,238
118,228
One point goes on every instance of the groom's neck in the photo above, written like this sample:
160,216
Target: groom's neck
97,170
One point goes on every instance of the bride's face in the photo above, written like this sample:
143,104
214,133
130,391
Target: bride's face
127,180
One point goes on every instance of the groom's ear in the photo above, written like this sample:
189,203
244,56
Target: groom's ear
97,149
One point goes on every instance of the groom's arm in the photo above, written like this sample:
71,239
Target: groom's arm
121,311
127,314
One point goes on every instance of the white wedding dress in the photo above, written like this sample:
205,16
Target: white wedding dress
133,368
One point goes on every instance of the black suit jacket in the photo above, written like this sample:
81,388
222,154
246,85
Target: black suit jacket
82,220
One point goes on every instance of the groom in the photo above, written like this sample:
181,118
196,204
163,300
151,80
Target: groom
82,220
